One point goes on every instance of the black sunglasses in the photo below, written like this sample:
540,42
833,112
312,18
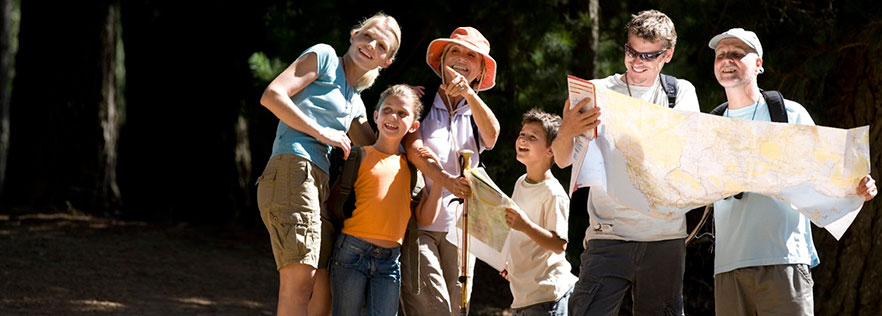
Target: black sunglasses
645,56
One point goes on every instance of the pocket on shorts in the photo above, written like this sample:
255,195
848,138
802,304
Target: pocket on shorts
805,274
284,184
297,230
265,188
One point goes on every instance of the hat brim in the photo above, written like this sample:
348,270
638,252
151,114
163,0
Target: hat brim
436,48
716,41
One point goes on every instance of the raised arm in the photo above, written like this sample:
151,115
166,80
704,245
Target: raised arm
277,98
573,123
413,147
488,125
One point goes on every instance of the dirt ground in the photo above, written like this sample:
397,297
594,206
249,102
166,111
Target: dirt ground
62,264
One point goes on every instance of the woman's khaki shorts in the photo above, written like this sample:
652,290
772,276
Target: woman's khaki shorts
290,195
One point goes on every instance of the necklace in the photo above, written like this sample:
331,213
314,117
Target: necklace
627,85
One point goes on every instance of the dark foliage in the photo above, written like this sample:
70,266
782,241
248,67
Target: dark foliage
194,138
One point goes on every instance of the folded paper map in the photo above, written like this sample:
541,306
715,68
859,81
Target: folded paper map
666,162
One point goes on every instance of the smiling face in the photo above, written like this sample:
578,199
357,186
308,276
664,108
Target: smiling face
643,72
532,145
395,118
463,60
735,63
373,46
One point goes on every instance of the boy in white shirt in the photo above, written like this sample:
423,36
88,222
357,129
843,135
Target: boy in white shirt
537,269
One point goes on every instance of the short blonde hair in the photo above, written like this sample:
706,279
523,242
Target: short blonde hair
407,94
367,80
653,26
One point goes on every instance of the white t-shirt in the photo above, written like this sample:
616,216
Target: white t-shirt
538,275
611,220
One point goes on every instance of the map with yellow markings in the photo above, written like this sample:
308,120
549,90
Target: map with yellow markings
667,162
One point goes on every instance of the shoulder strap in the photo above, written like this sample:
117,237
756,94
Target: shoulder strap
416,183
477,134
720,109
775,101
670,85
347,182
428,102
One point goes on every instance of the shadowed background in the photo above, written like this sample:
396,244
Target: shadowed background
148,111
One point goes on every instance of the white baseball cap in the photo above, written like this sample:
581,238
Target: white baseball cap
745,36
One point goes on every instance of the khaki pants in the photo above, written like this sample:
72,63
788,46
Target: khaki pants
440,291
784,289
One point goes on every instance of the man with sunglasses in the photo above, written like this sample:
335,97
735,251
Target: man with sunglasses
764,248
626,250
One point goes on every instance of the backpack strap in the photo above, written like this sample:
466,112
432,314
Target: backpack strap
774,100
416,182
344,198
428,102
720,109
476,132
670,85
410,258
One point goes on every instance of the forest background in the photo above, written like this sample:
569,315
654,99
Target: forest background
147,111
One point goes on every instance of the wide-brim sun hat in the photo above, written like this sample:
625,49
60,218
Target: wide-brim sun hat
470,38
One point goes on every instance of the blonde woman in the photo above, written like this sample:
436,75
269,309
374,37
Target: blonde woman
318,102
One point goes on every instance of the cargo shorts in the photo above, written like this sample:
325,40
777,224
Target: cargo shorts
290,194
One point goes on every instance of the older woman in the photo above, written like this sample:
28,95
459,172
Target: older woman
457,119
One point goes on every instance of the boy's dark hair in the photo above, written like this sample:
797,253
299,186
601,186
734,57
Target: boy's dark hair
550,123
407,94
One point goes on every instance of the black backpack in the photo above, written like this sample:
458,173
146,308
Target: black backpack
773,98
670,85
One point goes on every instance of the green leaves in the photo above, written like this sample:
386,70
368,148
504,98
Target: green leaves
263,68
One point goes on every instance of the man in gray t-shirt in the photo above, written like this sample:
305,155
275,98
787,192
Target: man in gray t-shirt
628,251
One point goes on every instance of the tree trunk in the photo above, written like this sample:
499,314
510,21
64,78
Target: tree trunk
108,196
63,138
848,279
586,62
6,55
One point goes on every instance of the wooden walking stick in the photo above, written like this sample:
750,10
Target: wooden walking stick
465,157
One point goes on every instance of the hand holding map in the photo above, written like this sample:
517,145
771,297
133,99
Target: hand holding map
667,162
487,228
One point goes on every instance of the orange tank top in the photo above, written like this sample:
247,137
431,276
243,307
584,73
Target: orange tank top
382,198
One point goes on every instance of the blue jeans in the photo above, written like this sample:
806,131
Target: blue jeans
553,308
364,276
